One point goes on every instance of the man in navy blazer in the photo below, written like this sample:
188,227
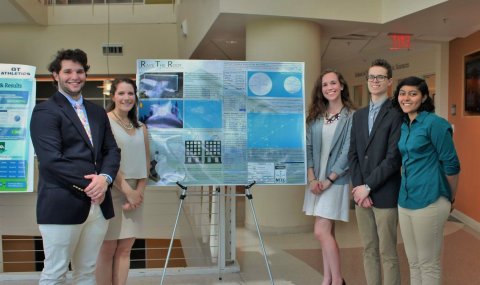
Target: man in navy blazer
78,159
375,170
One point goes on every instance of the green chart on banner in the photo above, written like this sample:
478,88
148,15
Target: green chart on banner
17,98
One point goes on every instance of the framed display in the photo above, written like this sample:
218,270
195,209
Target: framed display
472,84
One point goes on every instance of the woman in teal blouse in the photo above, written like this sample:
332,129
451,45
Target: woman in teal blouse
430,168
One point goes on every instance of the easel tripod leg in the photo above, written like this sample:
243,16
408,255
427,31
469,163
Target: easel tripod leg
182,198
221,233
248,194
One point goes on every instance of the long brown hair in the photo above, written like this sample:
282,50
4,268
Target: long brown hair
132,114
319,103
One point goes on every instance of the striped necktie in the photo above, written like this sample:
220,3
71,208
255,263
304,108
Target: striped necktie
83,119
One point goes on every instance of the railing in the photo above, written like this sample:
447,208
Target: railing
199,244
90,2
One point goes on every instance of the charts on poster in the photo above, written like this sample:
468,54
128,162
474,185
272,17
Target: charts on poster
17,97
223,122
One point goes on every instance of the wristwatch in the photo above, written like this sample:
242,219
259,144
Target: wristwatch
107,178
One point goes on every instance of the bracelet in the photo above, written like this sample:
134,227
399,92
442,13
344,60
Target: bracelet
330,179
310,181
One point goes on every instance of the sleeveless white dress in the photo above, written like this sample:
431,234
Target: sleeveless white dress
133,164
332,203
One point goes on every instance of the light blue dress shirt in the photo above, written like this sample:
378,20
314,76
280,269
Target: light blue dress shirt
373,112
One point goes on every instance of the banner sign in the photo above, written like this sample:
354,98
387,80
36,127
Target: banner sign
223,122
17,98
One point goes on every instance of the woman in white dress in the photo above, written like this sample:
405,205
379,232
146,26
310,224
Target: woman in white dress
127,193
329,122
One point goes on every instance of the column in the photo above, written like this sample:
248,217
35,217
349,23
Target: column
279,208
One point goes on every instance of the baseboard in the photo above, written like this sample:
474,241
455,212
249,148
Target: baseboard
231,268
466,220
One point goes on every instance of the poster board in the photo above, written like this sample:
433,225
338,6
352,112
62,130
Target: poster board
17,98
223,122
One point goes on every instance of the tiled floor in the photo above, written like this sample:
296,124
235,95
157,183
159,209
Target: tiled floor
296,259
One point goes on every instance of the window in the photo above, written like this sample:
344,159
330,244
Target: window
92,90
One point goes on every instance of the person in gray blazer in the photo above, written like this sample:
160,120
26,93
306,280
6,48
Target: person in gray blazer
375,169
328,138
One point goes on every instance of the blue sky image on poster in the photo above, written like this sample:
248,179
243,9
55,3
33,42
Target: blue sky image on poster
275,84
203,114
266,130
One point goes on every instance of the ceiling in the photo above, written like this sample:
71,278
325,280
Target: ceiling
341,40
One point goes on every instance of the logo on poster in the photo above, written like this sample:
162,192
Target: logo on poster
2,147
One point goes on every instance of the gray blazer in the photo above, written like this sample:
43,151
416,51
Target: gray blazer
338,157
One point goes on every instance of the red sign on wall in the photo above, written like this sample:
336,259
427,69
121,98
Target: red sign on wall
400,41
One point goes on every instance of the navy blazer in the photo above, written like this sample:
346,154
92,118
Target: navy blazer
65,155
375,159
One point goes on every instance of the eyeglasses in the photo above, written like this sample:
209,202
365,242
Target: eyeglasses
379,78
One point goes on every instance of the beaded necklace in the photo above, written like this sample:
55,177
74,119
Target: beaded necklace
128,126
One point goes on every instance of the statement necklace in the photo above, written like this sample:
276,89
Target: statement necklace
333,118
128,126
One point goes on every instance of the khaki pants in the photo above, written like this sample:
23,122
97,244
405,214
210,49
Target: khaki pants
79,244
378,230
422,233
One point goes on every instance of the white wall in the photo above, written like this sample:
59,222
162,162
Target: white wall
33,10
358,10
408,63
36,45
393,9
113,13
199,17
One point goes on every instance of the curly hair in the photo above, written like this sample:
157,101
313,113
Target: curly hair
76,55
319,103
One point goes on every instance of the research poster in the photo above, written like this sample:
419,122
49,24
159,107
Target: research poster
17,98
223,122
